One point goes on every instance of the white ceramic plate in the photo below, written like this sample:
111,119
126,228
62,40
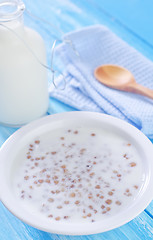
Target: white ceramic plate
8,164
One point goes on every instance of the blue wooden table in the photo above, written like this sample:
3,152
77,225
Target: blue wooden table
131,20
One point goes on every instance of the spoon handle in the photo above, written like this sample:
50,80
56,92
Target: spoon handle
139,89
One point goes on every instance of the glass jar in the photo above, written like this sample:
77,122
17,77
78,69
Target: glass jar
23,80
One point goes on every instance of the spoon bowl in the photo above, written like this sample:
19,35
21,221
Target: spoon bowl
120,78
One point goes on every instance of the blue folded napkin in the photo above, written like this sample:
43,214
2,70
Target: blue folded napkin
97,45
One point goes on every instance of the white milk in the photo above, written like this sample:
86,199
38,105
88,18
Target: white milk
23,81
78,175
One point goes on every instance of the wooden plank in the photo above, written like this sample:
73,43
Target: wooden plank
139,228
67,16
5,132
137,17
149,209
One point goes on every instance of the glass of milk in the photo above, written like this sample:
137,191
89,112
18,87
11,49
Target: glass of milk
23,80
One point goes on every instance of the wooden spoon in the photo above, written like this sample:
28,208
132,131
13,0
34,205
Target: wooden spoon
120,78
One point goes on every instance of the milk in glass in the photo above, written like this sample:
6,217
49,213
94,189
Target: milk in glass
23,80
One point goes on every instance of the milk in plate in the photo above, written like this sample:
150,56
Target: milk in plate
78,174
